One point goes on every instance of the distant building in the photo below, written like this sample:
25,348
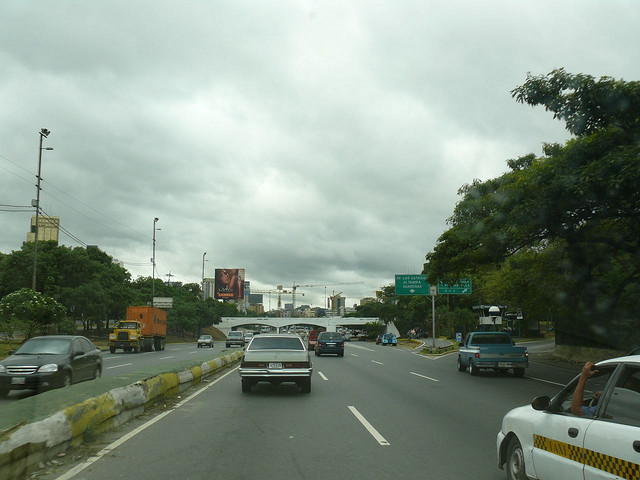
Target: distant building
48,229
208,285
366,300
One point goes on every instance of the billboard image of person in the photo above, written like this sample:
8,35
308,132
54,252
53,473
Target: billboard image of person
229,283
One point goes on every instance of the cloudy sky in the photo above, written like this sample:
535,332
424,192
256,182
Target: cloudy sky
315,142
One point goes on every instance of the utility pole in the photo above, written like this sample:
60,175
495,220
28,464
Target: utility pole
43,134
153,262
203,255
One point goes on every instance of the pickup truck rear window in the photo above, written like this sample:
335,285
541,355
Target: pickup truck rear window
490,340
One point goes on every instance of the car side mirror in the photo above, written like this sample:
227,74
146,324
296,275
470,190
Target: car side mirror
461,344
78,353
541,403
11,352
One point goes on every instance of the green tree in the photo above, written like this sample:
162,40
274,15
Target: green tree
580,198
29,312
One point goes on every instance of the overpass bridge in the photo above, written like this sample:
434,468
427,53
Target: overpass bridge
331,324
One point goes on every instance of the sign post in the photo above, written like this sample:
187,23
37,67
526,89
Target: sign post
433,291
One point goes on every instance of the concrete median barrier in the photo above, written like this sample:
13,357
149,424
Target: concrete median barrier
24,445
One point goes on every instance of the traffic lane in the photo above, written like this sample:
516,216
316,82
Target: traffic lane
442,411
120,363
273,432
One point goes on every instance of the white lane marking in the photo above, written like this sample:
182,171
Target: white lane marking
361,348
546,381
111,358
379,363
374,433
194,351
118,366
78,468
322,375
422,376
353,354
164,358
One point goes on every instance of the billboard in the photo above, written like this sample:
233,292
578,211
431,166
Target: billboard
229,284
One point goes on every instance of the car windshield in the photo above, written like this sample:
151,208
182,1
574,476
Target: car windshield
128,325
330,336
205,337
44,346
275,343
235,334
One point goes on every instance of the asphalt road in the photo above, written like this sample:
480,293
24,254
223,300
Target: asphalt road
119,363
377,413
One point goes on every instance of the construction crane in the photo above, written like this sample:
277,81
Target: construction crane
278,290
295,286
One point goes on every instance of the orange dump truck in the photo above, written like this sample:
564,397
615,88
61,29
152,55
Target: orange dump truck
144,329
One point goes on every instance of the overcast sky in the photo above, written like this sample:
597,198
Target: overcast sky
315,142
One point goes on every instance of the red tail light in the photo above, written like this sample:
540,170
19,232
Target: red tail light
477,355
253,365
342,344
296,365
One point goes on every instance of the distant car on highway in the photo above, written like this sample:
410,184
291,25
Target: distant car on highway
248,336
378,339
276,359
313,338
389,339
330,342
546,440
205,341
43,363
235,338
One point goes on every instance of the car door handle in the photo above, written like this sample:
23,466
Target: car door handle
636,446
573,432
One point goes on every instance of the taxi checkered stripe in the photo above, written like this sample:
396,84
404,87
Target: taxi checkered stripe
606,463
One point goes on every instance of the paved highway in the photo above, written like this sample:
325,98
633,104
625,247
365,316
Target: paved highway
378,412
120,363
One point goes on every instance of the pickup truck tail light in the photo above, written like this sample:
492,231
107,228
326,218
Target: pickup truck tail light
342,344
477,355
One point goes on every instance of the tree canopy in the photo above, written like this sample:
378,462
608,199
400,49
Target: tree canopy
572,212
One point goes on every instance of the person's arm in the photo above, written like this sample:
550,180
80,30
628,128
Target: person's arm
578,395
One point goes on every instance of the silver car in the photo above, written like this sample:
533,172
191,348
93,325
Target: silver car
205,341
276,359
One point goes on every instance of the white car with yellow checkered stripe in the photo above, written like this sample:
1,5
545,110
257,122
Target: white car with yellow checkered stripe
545,440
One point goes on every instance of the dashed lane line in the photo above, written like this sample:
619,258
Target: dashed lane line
423,376
322,376
118,366
374,433
379,363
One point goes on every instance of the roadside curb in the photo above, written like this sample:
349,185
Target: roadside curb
25,446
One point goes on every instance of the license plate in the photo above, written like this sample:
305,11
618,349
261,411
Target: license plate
504,364
275,365
331,344
18,381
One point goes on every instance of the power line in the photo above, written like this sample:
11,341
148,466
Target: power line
65,231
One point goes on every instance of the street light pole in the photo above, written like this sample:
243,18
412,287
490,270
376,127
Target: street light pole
203,295
43,134
153,262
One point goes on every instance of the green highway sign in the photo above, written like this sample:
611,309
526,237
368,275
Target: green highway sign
462,287
412,285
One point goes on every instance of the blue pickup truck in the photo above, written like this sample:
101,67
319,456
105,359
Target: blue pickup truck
495,350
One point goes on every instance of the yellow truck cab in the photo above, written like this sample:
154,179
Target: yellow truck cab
144,329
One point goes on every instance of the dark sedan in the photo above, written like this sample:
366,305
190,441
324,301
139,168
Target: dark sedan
42,363
330,342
